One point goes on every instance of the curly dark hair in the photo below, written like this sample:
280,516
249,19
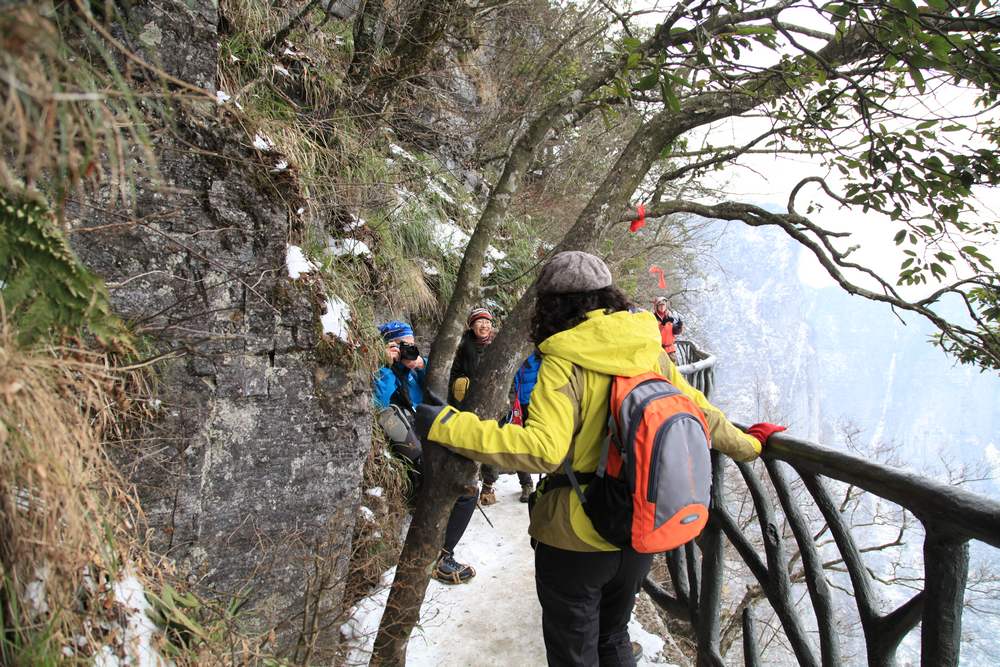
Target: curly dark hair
559,312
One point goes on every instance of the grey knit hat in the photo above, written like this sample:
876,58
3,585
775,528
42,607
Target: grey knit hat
573,271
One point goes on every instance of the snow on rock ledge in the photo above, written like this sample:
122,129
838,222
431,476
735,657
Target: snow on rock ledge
296,262
336,317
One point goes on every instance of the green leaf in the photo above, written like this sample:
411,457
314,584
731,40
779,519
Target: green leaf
899,237
648,82
907,6
670,97
840,11
940,47
631,43
918,78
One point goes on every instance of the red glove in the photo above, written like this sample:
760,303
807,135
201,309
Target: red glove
763,431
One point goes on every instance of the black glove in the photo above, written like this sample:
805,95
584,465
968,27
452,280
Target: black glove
426,414
430,398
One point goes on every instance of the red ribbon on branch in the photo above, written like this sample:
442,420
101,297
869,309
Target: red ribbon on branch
640,220
659,272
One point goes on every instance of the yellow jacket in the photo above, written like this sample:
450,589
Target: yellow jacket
569,414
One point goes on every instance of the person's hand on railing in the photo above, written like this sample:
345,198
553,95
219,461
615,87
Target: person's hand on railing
764,430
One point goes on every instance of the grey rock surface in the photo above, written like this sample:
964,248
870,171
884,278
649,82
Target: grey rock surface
250,479
180,36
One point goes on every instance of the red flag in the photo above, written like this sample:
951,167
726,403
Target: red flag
657,270
640,220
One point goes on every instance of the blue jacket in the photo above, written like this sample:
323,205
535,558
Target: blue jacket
388,387
526,376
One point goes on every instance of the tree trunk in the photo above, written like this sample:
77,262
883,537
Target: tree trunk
368,26
438,493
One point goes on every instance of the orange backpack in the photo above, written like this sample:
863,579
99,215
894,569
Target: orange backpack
652,487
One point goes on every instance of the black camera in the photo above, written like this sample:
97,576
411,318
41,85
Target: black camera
408,352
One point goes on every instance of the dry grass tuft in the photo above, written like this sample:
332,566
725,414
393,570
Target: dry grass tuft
66,117
414,293
64,510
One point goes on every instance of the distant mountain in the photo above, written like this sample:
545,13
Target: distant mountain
816,357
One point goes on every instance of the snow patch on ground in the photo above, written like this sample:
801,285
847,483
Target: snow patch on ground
452,239
449,237
436,188
428,268
34,593
139,629
495,619
262,142
401,152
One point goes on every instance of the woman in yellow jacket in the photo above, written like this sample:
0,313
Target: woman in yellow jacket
587,333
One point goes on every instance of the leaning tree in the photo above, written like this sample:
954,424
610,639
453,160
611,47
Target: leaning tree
895,104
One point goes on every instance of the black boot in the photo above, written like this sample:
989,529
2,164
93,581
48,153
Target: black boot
450,571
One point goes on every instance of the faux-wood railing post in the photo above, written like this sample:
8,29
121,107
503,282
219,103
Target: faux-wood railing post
751,654
812,563
946,568
707,623
677,567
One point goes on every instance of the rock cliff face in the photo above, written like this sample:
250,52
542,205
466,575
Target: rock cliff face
250,478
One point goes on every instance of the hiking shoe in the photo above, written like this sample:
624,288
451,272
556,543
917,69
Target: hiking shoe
450,571
487,496
526,491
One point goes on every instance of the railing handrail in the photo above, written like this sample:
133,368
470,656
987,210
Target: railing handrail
949,508
695,366
951,517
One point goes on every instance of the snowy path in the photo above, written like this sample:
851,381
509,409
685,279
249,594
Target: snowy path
495,619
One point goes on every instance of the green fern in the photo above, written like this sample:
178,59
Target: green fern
45,291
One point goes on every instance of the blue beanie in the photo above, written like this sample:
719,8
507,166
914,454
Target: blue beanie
395,329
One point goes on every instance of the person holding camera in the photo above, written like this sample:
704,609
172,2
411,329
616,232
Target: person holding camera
399,388
478,335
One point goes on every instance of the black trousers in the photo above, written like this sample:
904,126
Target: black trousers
490,475
458,521
587,599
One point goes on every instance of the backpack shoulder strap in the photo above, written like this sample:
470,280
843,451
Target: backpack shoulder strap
602,465
571,476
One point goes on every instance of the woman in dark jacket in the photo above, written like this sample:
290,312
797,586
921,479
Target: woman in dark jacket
478,335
